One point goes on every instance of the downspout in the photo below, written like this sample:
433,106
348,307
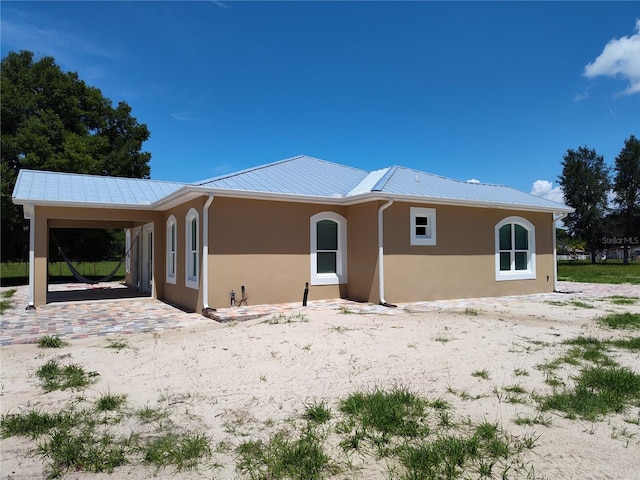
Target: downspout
555,253
381,252
205,255
30,213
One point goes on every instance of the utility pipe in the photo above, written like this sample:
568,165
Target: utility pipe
555,254
30,213
205,253
381,251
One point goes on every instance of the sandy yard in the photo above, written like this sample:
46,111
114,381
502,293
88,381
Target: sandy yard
245,380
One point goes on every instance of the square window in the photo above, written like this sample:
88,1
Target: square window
423,226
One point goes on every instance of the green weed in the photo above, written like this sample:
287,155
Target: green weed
51,341
53,376
625,320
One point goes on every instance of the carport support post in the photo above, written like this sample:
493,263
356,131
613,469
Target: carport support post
29,212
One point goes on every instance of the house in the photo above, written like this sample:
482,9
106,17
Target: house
387,236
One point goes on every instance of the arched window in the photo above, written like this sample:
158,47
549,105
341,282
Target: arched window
515,249
171,249
328,249
192,249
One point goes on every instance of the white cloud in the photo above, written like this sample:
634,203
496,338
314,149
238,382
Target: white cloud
473,180
620,57
545,189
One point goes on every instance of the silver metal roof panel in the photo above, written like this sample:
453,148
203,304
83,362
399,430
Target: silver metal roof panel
294,176
54,187
406,181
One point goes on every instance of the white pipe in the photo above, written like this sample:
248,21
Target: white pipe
205,252
381,250
30,213
555,254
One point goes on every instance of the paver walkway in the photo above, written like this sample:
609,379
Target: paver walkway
73,320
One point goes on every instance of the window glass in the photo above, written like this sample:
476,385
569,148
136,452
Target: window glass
422,226
327,262
327,235
194,234
522,236
505,237
505,261
521,260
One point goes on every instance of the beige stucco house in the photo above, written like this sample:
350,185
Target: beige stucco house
387,236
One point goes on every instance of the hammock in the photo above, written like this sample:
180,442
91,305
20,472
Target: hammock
81,278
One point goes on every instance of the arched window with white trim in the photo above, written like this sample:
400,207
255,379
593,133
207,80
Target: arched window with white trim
515,254
192,248
171,249
328,235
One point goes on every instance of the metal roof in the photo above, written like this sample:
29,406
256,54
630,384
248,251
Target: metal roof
54,187
409,182
300,175
304,177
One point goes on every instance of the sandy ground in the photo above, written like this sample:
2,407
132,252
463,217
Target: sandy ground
244,380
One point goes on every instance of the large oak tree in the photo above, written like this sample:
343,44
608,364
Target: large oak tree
51,120
626,185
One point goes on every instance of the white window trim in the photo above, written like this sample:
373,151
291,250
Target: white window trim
430,213
190,280
341,260
530,273
171,222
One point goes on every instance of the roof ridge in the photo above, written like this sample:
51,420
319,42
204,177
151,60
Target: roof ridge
454,179
95,175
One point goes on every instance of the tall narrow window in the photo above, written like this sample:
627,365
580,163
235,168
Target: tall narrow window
192,253
515,249
171,249
328,249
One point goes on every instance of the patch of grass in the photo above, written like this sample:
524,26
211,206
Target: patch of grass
610,272
116,344
108,402
281,318
317,413
625,320
629,343
442,339
183,452
519,372
53,376
538,419
34,423
346,311
620,300
51,341
283,457
84,450
598,391
471,311
580,304
148,414
484,374
5,302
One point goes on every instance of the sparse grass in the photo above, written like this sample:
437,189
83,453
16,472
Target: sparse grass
34,423
346,311
580,304
629,343
116,344
471,312
109,402
5,301
620,300
148,414
51,341
484,374
626,320
53,376
442,339
598,391
519,372
281,318
538,419
183,452
317,413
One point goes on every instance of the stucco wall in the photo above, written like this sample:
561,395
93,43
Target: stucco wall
462,263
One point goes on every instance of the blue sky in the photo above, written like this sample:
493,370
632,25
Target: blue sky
493,91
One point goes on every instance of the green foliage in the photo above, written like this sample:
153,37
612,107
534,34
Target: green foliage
5,302
34,423
52,120
585,183
626,186
108,402
609,272
317,413
55,377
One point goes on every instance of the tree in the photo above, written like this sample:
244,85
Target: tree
51,120
585,183
626,186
